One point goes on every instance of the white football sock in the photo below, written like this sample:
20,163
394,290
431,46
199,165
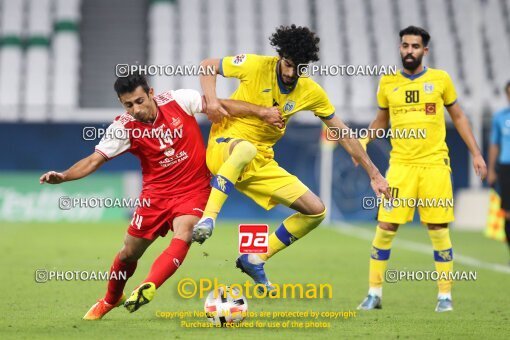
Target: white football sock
377,291
255,259
444,296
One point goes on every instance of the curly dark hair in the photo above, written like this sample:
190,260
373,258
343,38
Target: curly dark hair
413,30
296,43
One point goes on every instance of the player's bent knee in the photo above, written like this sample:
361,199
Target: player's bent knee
185,235
437,226
314,220
320,209
317,208
321,216
388,226
244,152
128,255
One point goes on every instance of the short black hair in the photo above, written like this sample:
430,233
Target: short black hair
296,43
130,83
414,30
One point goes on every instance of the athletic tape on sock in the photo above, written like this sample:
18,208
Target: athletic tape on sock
443,255
380,254
222,184
284,236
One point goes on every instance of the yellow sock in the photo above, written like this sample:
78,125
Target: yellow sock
293,228
242,154
443,257
381,249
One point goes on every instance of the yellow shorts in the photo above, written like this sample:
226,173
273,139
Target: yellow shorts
263,180
427,188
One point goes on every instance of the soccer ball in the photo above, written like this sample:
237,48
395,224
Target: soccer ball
225,305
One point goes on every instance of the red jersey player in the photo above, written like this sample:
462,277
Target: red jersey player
175,179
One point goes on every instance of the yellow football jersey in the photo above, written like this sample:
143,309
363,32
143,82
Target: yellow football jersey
416,107
259,84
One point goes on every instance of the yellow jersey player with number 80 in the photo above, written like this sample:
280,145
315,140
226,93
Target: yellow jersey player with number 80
240,151
419,168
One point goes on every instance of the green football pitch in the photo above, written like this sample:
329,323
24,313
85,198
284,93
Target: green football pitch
327,256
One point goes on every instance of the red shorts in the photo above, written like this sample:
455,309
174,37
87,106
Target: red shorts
155,220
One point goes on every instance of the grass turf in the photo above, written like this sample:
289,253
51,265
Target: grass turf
54,309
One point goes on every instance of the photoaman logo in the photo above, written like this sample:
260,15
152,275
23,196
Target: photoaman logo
253,238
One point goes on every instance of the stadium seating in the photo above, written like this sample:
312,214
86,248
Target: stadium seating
11,60
40,63
37,60
66,59
162,40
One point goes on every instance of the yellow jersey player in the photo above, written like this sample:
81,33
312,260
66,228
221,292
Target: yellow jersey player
240,151
419,171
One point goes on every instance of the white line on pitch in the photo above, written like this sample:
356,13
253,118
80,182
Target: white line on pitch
364,234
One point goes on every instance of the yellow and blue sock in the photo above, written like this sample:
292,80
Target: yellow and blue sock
443,258
242,154
380,254
292,229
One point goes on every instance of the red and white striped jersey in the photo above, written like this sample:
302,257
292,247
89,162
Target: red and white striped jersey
171,149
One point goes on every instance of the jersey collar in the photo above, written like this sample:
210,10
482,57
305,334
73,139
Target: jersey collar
414,76
283,88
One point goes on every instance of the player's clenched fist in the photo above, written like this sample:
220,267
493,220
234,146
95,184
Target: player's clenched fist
215,111
52,177
272,116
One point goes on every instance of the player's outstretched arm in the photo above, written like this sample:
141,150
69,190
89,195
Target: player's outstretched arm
239,108
354,148
462,125
82,168
216,112
381,121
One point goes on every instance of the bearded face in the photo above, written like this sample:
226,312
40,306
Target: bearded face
412,52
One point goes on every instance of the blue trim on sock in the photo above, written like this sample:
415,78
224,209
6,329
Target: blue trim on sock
443,255
380,254
222,184
283,235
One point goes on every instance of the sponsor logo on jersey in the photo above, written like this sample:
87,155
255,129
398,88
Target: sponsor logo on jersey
505,131
169,152
289,106
176,122
430,108
126,118
239,59
163,98
428,88
177,262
